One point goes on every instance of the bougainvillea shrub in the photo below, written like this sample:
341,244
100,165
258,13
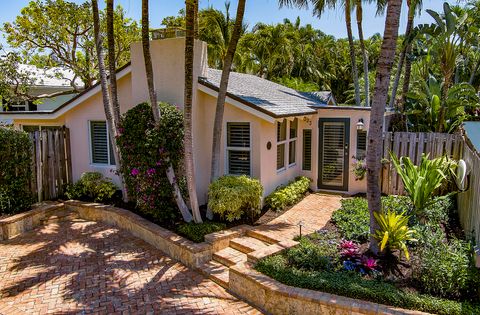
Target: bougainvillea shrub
15,171
146,153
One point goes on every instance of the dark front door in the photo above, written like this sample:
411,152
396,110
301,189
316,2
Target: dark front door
334,142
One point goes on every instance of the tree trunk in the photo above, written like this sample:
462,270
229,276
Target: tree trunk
348,20
380,96
110,115
195,32
364,52
443,107
403,54
406,77
188,100
112,63
187,216
222,94
474,72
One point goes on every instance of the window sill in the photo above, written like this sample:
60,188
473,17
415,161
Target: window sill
281,170
292,165
96,165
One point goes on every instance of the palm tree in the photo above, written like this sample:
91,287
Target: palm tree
353,59
413,7
187,216
222,94
359,11
380,96
112,62
188,100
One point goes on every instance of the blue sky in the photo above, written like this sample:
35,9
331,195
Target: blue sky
266,11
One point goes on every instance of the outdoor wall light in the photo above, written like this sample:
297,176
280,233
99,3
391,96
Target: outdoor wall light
360,124
269,145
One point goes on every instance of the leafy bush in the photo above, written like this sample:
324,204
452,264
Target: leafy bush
439,210
233,196
147,152
353,285
422,182
196,232
15,171
353,218
92,186
309,256
288,195
446,268
393,233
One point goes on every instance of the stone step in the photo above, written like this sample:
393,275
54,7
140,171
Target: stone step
247,244
263,236
229,256
216,272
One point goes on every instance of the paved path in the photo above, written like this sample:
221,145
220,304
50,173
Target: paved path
87,267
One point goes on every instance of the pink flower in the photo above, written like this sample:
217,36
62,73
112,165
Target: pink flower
369,263
151,171
349,249
135,172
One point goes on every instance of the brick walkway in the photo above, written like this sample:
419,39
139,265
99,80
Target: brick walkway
88,267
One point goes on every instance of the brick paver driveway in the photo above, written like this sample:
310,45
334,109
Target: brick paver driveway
88,267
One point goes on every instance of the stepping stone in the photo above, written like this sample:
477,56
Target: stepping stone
229,256
247,244
264,236
216,272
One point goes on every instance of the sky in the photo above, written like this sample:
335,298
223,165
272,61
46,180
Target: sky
267,11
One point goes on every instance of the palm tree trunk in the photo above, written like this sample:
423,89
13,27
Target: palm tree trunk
110,112
406,77
348,20
111,62
188,100
222,94
182,206
195,32
403,54
380,96
474,72
443,107
364,52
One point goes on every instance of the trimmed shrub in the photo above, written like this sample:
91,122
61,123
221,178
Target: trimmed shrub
353,285
196,231
288,195
310,256
15,171
233,196
92,186
147,152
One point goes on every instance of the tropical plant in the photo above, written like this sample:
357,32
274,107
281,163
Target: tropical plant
92,186
288,195
393,232
422,182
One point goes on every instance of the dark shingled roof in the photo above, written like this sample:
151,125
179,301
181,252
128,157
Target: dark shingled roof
266,96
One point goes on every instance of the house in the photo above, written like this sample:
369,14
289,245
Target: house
271,132
45,82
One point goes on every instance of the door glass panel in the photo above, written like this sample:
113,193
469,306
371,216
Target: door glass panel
333,154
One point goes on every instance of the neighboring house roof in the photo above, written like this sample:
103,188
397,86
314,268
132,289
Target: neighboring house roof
53,77
266,96
472,130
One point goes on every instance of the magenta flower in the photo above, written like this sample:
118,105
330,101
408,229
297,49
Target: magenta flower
369,263
135,172
151,171
349,249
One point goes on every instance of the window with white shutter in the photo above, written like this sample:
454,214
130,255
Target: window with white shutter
307,150
361,145
101,148
238,148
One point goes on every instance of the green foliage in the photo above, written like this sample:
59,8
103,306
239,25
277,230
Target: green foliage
196,231
147,152
353,285
92,186
393,233
233,196
446,269
422,182
311,256
288,195
15,171
297,84
353,218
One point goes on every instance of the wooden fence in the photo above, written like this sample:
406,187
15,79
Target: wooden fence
413,145
52,164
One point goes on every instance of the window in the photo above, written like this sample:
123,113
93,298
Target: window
361,145
238,148
307,150
101,148
292,144
281,143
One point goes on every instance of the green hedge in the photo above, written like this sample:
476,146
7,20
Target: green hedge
196,231
353,285
288,195
15,171
92,186
234,196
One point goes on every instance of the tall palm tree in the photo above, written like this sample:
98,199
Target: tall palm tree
222,94
187,216
188,100
112,62
359,11
413,7
353,59
380,95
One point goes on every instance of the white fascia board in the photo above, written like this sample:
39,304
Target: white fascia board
237,104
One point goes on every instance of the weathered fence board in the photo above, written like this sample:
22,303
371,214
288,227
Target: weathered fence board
51,167
414,145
